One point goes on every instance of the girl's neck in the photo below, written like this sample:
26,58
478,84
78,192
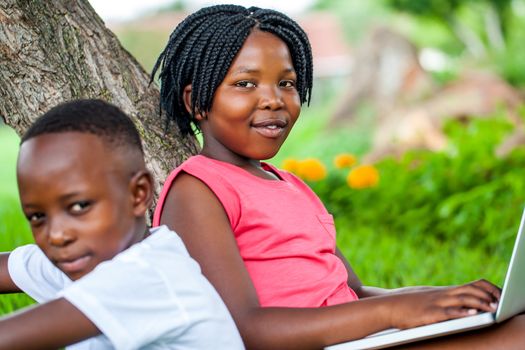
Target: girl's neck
252,166
229,157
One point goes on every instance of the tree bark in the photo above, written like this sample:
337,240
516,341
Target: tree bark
54,51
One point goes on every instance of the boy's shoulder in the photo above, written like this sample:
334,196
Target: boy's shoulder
32,272
154,284
161,243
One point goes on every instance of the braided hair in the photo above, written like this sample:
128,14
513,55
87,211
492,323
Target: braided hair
202,47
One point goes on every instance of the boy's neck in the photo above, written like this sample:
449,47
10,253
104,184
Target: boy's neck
142,231
147,233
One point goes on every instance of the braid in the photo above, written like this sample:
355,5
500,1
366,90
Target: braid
202,48
298,44
215,53
234,39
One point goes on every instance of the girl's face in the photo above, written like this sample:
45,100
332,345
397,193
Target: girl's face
256,105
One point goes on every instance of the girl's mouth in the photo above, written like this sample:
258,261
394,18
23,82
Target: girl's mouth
270,128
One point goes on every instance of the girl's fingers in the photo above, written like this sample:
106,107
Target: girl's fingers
476,290
470,301
458,312
489,287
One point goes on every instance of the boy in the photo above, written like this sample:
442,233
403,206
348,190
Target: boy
96,268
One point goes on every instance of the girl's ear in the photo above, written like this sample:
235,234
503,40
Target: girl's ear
141,189
186,96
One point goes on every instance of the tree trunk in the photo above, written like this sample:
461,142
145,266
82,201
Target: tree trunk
54,51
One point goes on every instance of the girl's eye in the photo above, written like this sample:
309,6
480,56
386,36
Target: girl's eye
287,83
35,218
79,207
245,83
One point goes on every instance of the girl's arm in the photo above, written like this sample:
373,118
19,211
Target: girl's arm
47,326
6,283
193,211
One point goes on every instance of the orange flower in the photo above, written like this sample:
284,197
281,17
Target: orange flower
311,169
290,165
363,176
344,160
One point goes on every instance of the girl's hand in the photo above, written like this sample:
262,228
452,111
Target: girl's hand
419,308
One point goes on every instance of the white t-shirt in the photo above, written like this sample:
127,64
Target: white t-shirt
150,296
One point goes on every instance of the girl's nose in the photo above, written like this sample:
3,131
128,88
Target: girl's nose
271,99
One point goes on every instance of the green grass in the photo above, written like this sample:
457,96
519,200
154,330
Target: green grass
14,230
384,259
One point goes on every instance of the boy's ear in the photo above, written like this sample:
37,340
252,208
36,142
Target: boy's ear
186,96
141,188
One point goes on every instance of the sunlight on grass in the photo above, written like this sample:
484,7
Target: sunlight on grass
14,230
391,260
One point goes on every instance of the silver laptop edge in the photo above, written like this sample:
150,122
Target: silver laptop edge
418,333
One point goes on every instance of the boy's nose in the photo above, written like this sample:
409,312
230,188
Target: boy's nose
59,238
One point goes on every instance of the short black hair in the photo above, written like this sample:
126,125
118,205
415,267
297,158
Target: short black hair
91,116
202,47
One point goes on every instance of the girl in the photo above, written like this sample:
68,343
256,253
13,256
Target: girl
261,236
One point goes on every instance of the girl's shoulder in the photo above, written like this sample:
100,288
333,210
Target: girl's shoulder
208,171
200,162
197,164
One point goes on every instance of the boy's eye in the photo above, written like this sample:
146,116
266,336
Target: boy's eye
35,218
287,83
245,83
79,207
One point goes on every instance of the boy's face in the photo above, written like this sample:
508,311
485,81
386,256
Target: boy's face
81,203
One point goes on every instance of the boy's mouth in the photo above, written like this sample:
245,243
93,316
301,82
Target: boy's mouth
271,128
73,265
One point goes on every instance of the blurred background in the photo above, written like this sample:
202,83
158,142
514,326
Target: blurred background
414,137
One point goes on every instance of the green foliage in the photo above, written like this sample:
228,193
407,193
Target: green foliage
445,76
14,230
491,32
175,5
356,17
509,62
431,8
454,26
437,218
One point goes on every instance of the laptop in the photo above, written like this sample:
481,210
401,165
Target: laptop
511,303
